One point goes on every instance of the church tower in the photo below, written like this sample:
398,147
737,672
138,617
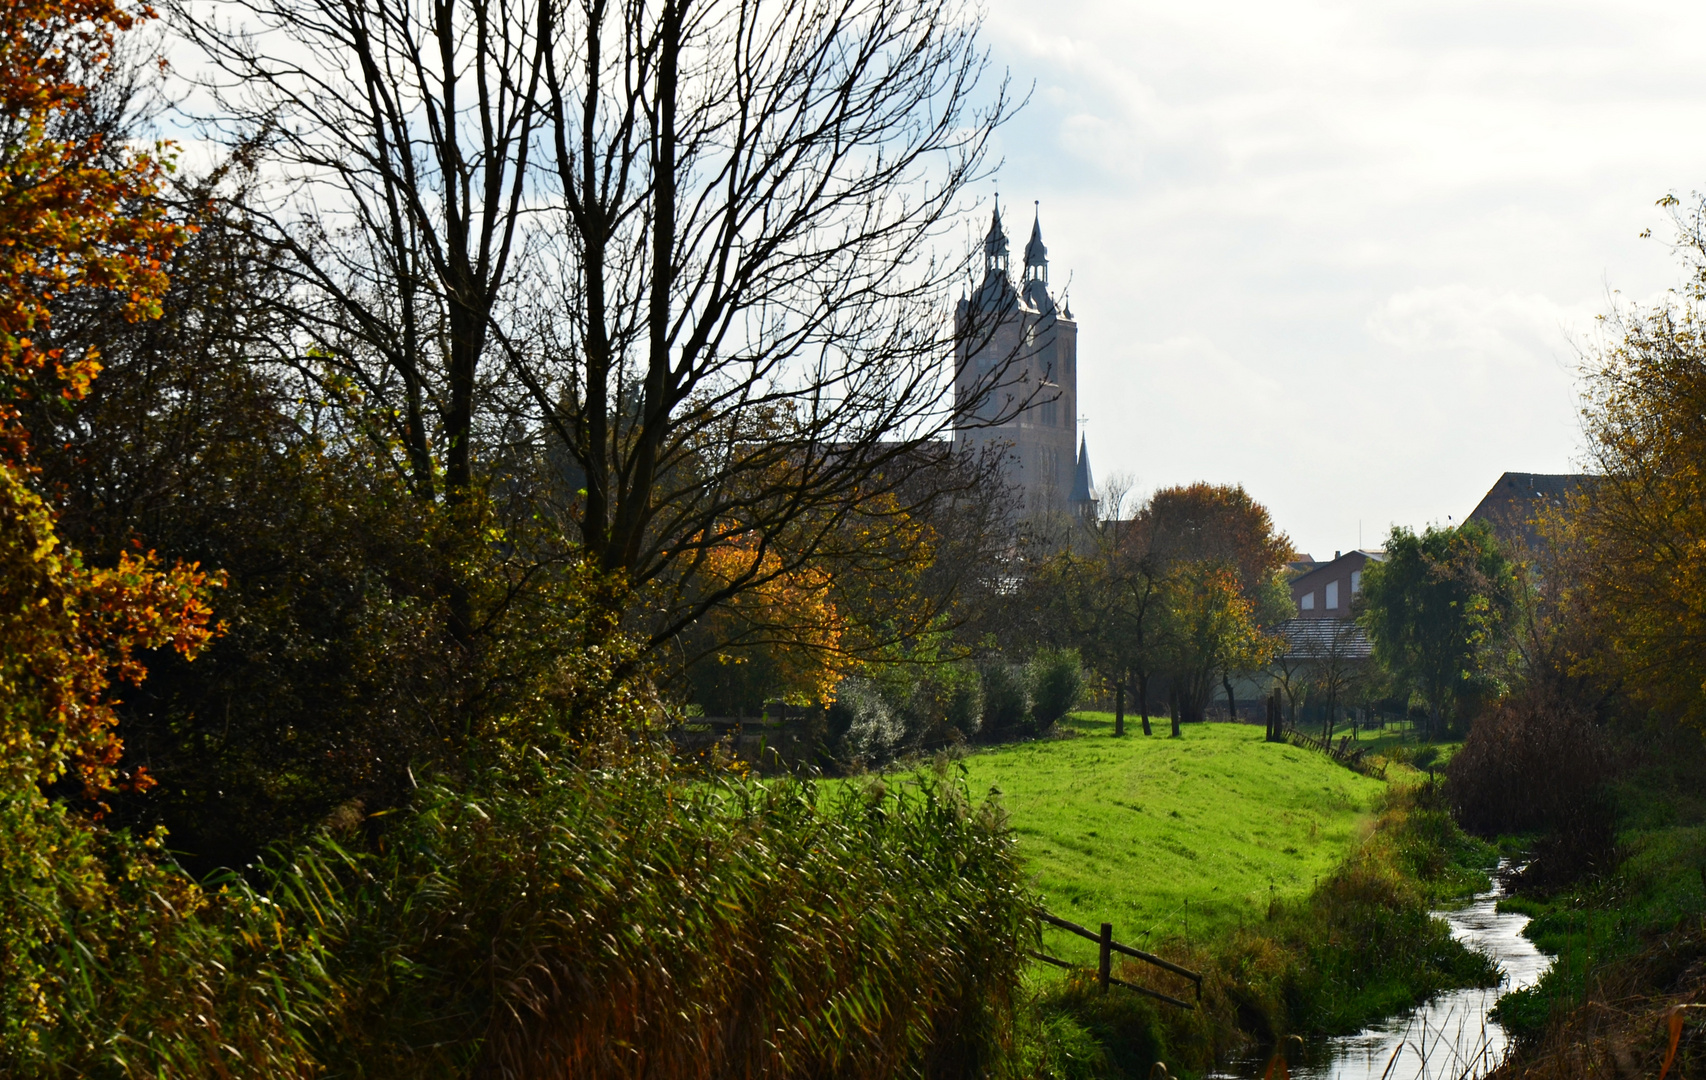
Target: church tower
1016,379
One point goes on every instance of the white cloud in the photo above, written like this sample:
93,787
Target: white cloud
1338,251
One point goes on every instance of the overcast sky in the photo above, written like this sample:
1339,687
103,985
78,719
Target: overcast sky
1343,253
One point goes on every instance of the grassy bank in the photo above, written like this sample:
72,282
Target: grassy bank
1173,839
1359,946
1299,888
1629,944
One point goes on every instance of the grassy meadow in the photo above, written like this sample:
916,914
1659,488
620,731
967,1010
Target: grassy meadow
1171,838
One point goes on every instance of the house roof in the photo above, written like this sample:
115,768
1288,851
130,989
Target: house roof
1321,639
1513,504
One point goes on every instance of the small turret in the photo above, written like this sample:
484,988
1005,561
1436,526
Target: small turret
1036,253
1035,287
995,246
995,294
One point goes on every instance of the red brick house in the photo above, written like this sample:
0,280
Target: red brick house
1325,592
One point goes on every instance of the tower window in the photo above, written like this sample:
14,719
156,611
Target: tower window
1051,412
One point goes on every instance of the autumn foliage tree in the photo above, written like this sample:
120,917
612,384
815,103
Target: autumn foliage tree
1206,539
1206,628
76,215
1630,544
1182,590
1219,523
781,637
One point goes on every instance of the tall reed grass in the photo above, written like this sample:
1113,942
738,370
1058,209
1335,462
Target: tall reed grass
554,920
615,923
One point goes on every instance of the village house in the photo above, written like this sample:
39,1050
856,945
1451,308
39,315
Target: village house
1325,590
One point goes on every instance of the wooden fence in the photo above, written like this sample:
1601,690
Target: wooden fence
1343,753
1107,946
780,739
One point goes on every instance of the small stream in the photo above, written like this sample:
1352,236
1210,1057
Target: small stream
1449,1037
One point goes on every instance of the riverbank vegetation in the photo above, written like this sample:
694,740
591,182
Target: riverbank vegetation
1359,945
1594,761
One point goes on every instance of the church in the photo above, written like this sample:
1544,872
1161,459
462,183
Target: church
1016,380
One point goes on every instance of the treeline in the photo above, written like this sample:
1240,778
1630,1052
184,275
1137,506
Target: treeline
370,492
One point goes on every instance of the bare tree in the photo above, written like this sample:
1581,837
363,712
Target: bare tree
683,253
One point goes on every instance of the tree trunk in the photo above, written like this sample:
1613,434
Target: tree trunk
1231,702
1119,709
1143,701
1173,709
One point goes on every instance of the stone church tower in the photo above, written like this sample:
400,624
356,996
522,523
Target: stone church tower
1016,380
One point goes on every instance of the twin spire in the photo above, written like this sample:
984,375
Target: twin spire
995,248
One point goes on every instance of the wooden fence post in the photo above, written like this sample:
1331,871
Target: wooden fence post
1105,965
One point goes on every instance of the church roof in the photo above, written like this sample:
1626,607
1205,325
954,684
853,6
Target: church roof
1083,486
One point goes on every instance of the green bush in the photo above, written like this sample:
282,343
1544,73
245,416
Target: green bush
965,703
1006,700
1058,680
863,730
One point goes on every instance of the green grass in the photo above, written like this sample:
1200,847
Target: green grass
1640,924
1171,838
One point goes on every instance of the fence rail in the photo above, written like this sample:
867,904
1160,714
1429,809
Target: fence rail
1343,753
1107,947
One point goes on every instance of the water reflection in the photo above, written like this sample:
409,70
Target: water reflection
1447,1038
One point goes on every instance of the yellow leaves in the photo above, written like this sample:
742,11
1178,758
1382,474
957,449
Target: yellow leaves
1631,545
72,221
790,608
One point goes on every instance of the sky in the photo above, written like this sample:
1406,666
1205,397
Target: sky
1346,254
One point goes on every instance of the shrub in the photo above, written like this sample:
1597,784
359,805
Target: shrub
965,703
1538,763
625,923
1058,679
862,727
1006,700
1532,763
932,702
116,965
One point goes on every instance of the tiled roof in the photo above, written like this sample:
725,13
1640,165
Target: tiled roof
1320,639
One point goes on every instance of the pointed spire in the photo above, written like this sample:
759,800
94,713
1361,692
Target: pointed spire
1036,254
1083,485
995,245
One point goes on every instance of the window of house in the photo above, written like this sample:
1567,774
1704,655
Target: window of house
1308,601
1356,582
1332,595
